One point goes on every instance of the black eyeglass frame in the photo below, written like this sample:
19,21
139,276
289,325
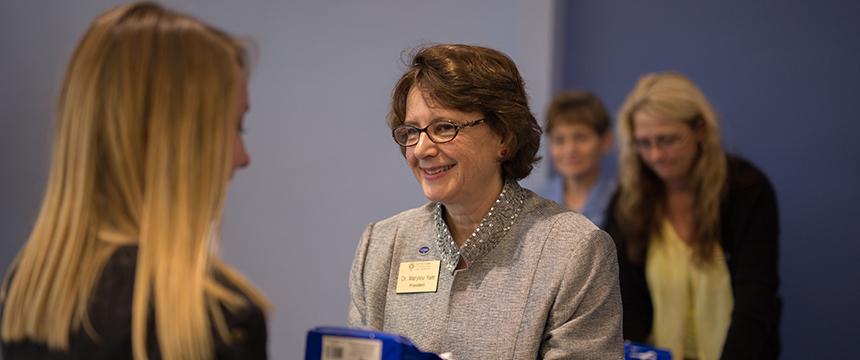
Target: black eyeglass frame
457,128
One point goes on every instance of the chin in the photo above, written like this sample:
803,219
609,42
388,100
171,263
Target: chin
432,193
568,175
663,172
565,171
574,173
668,176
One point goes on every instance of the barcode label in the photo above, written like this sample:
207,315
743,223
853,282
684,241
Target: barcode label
344,348
333,352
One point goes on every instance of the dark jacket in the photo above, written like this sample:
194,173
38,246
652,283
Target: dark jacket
749,228
110,314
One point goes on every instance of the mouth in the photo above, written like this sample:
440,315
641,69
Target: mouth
662,167
434,171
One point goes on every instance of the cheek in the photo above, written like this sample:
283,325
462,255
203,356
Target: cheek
412,161
688,152
556,150
483,165
592,149
689,159
410,158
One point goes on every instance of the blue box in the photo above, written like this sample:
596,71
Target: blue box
340,343
636,351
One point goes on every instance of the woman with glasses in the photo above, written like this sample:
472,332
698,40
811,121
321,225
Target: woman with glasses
486,269
578,129
120,263
696,230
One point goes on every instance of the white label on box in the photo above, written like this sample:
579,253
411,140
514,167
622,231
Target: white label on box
344,348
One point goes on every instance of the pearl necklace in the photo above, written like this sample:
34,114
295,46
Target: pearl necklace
492,229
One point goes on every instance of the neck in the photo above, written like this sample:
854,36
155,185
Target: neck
463,218
679,196
576,188
678,186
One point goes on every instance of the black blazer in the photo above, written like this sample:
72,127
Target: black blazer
749,225
110,314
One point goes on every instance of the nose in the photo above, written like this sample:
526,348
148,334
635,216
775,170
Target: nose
571,147
654,153
425,147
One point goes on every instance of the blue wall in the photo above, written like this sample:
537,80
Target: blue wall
785,78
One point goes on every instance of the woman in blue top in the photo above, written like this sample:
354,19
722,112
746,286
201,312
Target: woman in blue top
578,129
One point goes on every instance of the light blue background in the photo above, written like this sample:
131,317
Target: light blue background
323,162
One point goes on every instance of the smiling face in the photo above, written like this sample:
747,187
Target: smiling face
576,149
669,148
464,171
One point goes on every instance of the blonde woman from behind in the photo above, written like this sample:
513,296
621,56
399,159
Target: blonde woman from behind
120,263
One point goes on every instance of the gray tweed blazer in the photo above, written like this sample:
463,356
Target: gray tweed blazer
548,290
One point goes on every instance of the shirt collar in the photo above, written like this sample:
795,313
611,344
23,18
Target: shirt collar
492,229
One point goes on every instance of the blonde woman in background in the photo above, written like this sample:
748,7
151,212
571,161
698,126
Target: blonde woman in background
579,133
120,263
696,230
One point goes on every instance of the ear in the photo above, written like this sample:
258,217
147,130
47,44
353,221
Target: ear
503,153
504,149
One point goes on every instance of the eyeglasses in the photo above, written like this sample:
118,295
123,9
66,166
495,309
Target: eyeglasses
438,132
661,142
576,138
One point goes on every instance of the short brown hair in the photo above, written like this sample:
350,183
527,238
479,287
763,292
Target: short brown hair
577,107
475,79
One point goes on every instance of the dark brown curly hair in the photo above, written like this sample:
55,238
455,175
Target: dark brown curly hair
475,79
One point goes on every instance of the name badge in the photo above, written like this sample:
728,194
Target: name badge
418,277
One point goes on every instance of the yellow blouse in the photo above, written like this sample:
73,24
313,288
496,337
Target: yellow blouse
692,302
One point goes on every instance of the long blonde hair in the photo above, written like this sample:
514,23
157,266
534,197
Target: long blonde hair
142,155
641,203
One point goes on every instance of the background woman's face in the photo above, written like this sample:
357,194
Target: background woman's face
459,171
668,147
576,149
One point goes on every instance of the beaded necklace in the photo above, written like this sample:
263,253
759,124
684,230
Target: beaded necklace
492,229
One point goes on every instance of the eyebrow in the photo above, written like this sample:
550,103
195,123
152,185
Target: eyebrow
657,136
432,121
